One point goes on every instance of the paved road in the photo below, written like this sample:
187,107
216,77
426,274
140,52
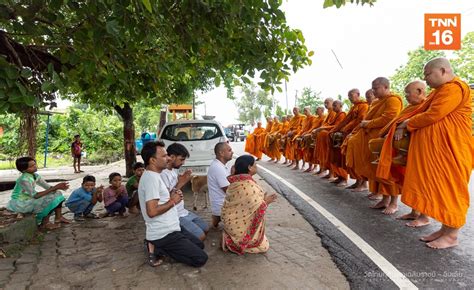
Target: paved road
398,244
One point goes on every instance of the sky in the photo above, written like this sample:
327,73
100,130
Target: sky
368,41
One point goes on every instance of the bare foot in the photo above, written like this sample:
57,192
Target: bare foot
327,176
360,189
374,196
342,184
433,236
295,168
421,221
62,220
354,186
443,242
50,226
308,170
379,205
408,217
270,160
391,209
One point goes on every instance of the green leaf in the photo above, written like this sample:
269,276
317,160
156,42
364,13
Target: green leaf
328,3
311,53
26,73
217,81
12,73
279,89
147,5
46,86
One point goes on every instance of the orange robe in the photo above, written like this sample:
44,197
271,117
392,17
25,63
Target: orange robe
440,158
272,148
355,115
251,142
327,121
358,155
305,129
294,126
308,153
323,141
285,127
386,171
262,138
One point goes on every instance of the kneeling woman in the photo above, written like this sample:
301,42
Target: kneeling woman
243,212
25,198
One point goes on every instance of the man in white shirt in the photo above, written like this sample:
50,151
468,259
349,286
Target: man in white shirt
217,182
163,232
189,221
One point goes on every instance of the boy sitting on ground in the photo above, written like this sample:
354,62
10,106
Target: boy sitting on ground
115,196
132,187
82,200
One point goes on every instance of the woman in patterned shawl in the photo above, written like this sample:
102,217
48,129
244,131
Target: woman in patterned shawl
243,212
25,198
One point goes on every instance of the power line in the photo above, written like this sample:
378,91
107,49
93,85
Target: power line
336,58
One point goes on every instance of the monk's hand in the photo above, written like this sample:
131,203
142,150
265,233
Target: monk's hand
403,125
364,123
398,134
269,198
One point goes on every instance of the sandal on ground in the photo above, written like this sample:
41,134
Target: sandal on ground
62,220
152,259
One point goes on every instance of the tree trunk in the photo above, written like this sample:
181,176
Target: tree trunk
28,128
128,137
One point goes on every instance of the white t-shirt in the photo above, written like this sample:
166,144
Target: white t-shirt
170,178
150,187
216,180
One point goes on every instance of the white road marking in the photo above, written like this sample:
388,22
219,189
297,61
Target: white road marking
396,276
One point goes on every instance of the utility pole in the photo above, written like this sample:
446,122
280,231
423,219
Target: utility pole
296,98
286,95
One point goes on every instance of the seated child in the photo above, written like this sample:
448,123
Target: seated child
132,187
82,200
115,196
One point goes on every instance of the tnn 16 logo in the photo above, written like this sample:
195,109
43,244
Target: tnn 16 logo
442,31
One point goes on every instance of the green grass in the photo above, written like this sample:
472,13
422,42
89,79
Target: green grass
50,162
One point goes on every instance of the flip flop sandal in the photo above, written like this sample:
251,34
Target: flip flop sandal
152,259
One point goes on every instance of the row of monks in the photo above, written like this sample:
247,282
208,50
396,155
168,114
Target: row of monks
423,152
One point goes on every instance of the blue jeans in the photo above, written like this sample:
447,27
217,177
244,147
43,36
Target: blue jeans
194,224
81,207
118,205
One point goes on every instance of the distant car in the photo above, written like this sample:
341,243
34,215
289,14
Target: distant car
199,137
236,132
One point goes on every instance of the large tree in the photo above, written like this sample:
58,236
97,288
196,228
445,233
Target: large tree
253,104
111,54
311,98
464,59
413,69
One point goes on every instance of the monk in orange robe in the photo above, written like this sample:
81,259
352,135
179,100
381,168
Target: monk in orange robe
384,110
440,158
361,182
355,115
251,141
262,138
323,141
329,119
316,123
370,97
387,172
283,130
305,129
271,145
284,138
295,126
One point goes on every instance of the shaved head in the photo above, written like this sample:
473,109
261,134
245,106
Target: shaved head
320,111
437,72
381,87
369,96
337,106
415,92
354,95
328,103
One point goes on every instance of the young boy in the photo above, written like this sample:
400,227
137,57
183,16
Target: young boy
115,196
76,150
82,200
132,187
